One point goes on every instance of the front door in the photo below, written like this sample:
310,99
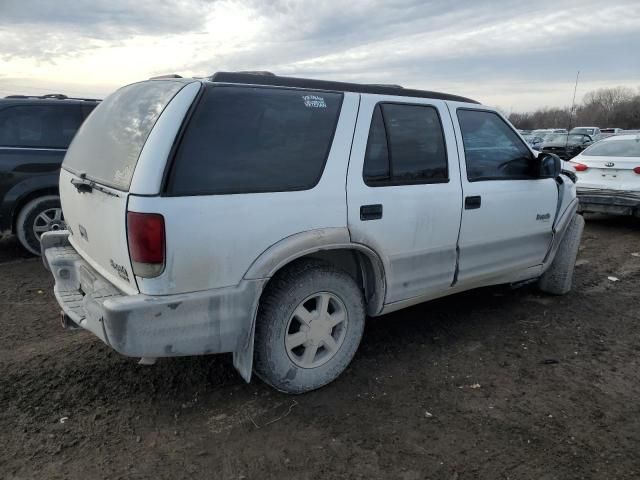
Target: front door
508,211
404,194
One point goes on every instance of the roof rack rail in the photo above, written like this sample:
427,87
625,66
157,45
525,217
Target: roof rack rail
54,96
267,79
258,72
386,85
167,75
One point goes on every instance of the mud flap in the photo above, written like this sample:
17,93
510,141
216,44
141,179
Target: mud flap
243,354
243,357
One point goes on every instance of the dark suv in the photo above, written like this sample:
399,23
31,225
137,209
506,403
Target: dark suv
34,135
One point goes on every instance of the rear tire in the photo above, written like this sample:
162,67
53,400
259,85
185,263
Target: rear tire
40,215
309,326
558,278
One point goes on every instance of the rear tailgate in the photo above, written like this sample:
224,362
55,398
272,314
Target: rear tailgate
98,170
96,221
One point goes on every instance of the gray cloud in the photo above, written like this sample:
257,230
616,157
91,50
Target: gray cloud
99,17
44,29
505,47
466,45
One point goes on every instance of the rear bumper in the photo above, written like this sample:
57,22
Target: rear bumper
615,202
213,321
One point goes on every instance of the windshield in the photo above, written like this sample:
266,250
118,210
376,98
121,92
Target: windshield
615,148
108,144
585,131
571,139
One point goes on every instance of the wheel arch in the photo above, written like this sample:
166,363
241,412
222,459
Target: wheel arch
334,246
330,244
23,200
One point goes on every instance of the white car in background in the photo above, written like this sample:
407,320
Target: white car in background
610,132
593,132
608,175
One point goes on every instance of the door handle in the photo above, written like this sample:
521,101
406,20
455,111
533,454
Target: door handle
371,212
472,203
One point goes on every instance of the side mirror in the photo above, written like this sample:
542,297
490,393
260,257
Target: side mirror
550,165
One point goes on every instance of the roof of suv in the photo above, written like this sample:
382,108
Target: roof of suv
49,99
268,79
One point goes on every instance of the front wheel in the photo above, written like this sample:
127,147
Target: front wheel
309,326
40,215
558,278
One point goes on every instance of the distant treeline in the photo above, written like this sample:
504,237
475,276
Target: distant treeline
607,107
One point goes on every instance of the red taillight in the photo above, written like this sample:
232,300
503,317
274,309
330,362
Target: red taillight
145,234
579,167
637,170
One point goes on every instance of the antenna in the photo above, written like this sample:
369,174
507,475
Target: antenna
573,102
573,106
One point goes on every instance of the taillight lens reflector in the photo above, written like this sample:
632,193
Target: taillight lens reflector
146,238
637,170
579,167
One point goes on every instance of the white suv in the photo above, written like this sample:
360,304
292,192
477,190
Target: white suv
267,216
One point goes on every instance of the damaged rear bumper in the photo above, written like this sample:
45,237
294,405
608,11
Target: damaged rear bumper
615,202
213,321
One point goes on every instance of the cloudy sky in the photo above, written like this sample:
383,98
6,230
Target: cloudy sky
518,55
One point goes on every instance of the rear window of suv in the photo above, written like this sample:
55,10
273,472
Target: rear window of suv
255,139
107,146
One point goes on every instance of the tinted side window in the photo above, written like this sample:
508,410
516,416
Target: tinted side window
492,149
243,139
39,126
405,146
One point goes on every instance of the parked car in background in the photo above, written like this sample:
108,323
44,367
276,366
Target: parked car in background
34,135
541,132
608,132
547,131
593,132
608,176
267,216
534,141
566,145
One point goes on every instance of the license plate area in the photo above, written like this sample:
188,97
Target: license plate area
610,174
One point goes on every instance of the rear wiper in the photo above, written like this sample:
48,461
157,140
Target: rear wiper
87,186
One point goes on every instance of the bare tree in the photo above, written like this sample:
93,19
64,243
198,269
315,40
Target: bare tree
606,107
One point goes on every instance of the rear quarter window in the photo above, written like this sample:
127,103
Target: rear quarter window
107,146
255,139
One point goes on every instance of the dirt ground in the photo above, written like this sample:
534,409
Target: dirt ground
491,384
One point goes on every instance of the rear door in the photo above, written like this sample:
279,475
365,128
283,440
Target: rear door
403,192
508,212
98,171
